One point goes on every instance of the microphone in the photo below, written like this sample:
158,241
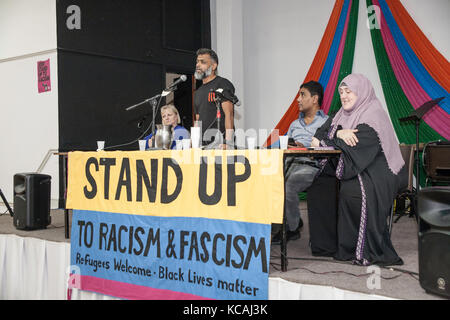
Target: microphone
165,92
182,78
227,95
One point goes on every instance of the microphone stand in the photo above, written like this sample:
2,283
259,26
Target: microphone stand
218,101
417,115
6,203
217,142
154,102
155,105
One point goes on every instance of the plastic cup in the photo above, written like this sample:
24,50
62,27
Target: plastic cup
100,145
284,142
251,142
179,144
186,144
142,145
195,137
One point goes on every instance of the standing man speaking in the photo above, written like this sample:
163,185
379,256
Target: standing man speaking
204,106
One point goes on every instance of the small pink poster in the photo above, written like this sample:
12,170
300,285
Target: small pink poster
43,68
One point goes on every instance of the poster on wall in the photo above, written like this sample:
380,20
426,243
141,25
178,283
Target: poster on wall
43,71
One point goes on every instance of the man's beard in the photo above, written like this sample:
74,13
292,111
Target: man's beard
200,75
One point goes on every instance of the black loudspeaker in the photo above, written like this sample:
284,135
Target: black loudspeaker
31,201
436,161
434,240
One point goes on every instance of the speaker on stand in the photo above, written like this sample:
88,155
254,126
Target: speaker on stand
31,201
434,239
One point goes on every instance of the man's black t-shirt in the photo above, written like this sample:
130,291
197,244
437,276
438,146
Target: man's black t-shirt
206,108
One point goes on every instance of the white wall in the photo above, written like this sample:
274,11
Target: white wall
27,26
278,42
28,119
227,41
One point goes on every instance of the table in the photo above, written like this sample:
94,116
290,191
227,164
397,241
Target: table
290,153
293,153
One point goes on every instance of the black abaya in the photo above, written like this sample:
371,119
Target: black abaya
367,190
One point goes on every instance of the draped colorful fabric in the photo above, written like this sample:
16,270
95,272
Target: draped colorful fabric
332,62
411,69
432,60
407,80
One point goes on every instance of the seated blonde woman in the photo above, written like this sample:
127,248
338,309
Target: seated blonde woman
170,116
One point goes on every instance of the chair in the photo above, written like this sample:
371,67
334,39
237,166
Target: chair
407,191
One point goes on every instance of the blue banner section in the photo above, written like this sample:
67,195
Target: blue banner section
218,259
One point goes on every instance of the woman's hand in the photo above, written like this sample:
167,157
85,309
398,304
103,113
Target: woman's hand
315,142
348,135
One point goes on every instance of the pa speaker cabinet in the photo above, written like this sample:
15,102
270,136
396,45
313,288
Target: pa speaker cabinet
31,201
434,240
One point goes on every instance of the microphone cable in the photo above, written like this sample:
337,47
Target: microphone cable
142,135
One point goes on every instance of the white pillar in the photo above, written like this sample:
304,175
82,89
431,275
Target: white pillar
227,41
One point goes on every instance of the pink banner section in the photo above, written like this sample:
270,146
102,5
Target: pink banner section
437,118
43,72
127,290
331,86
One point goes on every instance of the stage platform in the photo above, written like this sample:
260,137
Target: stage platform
307,277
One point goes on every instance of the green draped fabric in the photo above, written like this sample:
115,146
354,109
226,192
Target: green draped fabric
347,57
397,102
